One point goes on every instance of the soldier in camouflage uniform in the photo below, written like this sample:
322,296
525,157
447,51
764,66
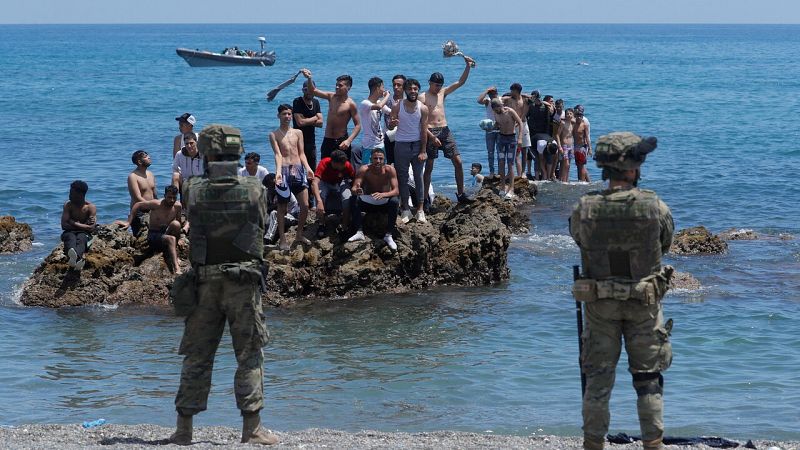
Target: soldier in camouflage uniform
226,213
622,233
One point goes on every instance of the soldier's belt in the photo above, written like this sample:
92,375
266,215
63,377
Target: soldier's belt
226,269
587,290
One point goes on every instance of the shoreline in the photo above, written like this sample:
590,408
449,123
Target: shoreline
144,436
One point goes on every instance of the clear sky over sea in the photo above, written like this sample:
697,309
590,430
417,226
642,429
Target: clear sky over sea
406,11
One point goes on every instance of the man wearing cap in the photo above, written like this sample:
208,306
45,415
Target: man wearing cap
227,215
186,123
622,233
439,135
307,116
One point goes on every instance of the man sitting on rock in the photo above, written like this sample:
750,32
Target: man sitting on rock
377,190
165,224
332,179
292,209
78,220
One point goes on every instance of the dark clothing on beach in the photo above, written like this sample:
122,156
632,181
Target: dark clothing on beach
389,208
330,144
539,119
299,106
77,240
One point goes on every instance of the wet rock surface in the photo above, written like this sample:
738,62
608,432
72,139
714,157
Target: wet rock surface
120,269
697,241
684,280
15,237
463,244
735,234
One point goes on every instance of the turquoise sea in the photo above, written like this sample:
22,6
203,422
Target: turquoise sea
76,101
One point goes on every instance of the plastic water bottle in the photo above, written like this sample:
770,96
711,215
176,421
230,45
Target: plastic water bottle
94,423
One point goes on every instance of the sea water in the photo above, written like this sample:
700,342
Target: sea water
76,101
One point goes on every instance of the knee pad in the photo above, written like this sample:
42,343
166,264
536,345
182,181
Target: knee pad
648,383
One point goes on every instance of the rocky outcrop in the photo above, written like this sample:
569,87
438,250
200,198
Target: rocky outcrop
684,280
738,235
120,269
15,237
697,241
464,244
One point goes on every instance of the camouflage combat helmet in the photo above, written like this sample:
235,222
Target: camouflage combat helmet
220,140
623,150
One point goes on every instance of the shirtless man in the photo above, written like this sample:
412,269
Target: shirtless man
291,172
566,143
507,120
439,135
341,109
376,190
519,104
165,224
141,186
78,220
583,146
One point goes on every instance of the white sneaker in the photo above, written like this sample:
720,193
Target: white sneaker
405,216
501,193
510,196
79,265
389,241
421,216
359,236
73,257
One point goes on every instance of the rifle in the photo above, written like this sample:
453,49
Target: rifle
576,275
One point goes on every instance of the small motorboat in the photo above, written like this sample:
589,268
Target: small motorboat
228,57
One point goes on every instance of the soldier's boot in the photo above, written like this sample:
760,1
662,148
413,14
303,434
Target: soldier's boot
591,443
183,433
252,433
655,444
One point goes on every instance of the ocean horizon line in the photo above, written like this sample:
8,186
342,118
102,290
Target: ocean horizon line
412,23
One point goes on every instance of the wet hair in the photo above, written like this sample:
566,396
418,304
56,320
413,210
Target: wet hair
552,147
338,156
379,150
346,78
283,107
254,156
400,76
516,87
373,83
79,186
171,189
410,82
137,156
560,102
477,166
189,137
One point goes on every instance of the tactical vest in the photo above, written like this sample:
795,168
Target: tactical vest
619,234
226,218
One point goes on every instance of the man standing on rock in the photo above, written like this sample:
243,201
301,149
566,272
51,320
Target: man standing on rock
439,135
341,109
227,215
622,233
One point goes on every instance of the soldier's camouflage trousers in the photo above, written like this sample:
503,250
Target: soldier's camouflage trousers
223,296
649,354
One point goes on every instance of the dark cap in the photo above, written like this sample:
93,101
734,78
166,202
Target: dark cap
436,77
186,117
579,109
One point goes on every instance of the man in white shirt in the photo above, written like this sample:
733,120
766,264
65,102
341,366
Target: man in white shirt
252,168
369,111
187,162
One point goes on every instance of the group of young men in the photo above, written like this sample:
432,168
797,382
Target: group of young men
532,133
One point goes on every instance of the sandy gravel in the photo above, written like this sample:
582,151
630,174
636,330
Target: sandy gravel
150,436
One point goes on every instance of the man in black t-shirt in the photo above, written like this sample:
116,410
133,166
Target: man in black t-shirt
307,116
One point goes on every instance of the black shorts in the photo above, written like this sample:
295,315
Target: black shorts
329,145
447,140
155,238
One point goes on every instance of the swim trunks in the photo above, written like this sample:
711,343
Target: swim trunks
506,147
155,238
294,180
580,155
447,140
330,144
569,152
